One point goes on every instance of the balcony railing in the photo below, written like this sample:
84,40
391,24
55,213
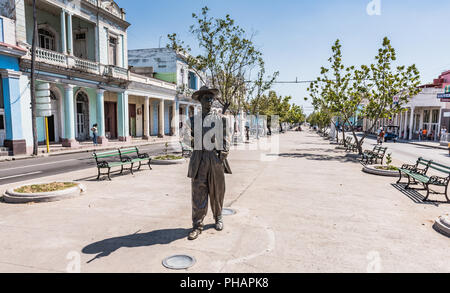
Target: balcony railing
51,57
116,72
87,65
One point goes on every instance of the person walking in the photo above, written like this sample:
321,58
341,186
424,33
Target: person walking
94,130
420,134
424,134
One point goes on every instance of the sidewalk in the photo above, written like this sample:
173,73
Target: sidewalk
58,149
429,144
308,208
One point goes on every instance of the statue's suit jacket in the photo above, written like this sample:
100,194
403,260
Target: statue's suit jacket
197,154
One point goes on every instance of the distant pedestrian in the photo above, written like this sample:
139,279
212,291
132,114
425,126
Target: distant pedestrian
94,130
420,134
424,134
380,135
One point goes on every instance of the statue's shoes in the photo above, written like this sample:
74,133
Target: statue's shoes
194,234
219,224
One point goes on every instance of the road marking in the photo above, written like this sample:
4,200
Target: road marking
43,164
20,175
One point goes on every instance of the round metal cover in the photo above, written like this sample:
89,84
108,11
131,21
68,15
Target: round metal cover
228,212
446,221
178,262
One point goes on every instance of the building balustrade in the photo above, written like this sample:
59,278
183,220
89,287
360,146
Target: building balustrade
87,65
52,57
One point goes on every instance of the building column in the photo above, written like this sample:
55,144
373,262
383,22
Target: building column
175,119
411,123
101,117
123,117
438,129
161,119
147,117
15,136
63,32
69,34
405,126
69,118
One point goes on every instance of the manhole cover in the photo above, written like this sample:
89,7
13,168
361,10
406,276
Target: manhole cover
446,221
178,262
228,212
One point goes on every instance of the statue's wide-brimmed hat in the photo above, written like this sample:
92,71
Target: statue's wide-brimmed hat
204,90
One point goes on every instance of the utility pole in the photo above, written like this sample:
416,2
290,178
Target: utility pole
33,82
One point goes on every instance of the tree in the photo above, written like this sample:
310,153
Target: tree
227,57
365,92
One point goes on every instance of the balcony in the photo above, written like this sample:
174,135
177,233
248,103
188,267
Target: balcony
86,65
116,72
51,57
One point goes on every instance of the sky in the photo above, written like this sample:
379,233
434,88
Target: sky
296,36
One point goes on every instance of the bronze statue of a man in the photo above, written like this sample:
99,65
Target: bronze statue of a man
208,164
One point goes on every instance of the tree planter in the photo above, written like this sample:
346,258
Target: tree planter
370,169
12,196
442,225
167,162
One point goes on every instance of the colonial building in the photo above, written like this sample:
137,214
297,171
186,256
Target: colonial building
426,110
82,54
168,65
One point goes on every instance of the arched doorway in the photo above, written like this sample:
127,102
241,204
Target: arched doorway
82,117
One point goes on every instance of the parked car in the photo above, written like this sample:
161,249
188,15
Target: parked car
391,133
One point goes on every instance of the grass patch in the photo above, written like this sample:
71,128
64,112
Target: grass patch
48,187
387,168
168,157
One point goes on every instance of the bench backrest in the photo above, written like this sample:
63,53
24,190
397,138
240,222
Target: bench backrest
441,168
128,151
382,150
108,154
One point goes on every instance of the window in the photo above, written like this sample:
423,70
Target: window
46,39
2,103
426,116
2,38
192,81
113,51
435,116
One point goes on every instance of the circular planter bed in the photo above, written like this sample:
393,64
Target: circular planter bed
381,170
168,160
442,225
43,192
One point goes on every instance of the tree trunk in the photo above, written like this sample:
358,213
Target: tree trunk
33,82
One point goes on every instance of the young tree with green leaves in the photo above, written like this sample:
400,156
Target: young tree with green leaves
369,91
227,57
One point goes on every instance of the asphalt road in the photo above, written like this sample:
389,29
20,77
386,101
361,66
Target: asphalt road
408,153
21,170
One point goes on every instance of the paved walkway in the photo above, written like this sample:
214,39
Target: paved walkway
307,209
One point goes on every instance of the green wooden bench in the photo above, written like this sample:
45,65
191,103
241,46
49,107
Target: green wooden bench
417,174
108,160
133,155
186,151
347,140
119,158
373,156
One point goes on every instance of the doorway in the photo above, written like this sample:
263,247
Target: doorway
79,46
111,120
132,121
82,106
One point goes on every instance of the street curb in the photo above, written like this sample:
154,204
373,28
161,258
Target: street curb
79,151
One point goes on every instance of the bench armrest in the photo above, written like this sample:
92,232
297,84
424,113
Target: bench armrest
126,159
102,164
436,180
143,156
409,167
